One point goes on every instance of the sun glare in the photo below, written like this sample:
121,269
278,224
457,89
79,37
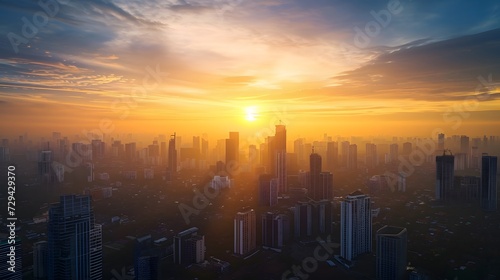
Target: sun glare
251,114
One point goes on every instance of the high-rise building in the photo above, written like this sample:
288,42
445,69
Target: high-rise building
332,156
371,155
40,259
7,255
407,148
391,253
355,226
468,188
325,189
352,162
393,152
244,232
268,190
189,247
440,146
146,259
314,175
232,148
489,183
130,152
74,241
45,171
302,215
345,153
444,176
274,229
172,158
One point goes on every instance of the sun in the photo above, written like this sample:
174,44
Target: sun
251,113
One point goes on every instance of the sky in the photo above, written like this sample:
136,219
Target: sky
361,67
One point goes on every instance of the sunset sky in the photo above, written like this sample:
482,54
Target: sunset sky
213,66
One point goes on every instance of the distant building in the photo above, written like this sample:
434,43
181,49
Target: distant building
356,225
489,183
172,159
221,182
189,247
244,232
268,190
275,230
444,176
391,253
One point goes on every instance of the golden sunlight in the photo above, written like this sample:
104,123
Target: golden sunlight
251,113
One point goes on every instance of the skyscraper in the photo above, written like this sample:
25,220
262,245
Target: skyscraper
345,153
189,247
489,182
302,216
74,241
314,173
391,253
232,148
444,176
146,259
244,232
325,190
352,162
40,258
393,152
355,225
45,171
268,190
280,158
172,158
440,146
371,155
274,229
332,156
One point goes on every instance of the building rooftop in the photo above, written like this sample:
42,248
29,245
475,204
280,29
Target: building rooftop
391,230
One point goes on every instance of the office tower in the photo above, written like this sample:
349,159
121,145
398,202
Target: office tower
322,216
314,173
163,153
280,158
244,232
98,149
332,156
464,144
444,175
189,247
146,259
274,230
325,189
7,255
355,225
475,160
268,190
40,259
130,151
391,253
74,241
393,153
468,188
402,182
232,148
407,148
302,215
371,155
298,148
440,145
204,149
345,153
352,162
271,156
489,182
45,173
172,158
117,149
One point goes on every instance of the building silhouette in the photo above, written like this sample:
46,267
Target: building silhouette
172,159
489,182
189,247
40,259
280,158
444,176
391,253
268,190
275,230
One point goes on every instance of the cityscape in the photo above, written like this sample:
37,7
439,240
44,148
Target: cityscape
259,140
